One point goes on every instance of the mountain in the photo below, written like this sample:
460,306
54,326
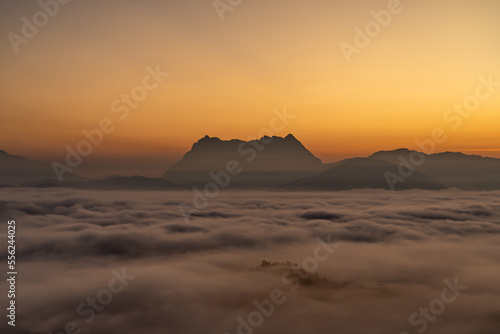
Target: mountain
268,161
359,173
467,172
277,163
16,170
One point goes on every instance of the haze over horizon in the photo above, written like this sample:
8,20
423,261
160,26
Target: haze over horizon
137,166
226,77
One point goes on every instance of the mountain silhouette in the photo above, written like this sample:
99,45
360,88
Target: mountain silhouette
16,170
266,161
359,173
467,172
276,163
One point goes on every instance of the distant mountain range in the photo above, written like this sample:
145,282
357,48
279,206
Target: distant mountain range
16,170
359,173
468,172
277,163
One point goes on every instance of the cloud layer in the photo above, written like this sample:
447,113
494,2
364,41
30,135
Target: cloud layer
396,250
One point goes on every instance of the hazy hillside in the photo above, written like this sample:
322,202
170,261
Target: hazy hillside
15,170
468,172
363,173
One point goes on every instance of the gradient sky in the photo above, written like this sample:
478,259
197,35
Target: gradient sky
227,76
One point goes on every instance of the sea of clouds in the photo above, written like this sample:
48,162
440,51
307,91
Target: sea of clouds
391,254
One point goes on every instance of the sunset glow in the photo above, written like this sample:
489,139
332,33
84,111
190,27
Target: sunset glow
227,76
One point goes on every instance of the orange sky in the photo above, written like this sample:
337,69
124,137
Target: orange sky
226,77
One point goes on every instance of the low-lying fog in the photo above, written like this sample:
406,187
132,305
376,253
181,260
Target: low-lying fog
372,262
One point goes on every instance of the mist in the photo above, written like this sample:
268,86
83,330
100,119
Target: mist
370,259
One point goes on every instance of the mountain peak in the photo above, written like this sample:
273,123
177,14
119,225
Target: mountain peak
276,159
208,138
397,151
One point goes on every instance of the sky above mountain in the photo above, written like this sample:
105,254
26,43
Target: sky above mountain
227,76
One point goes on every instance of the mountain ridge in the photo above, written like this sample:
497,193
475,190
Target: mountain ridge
267,160
278,163
16,170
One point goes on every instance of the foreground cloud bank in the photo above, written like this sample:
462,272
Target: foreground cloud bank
395,253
